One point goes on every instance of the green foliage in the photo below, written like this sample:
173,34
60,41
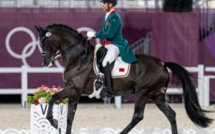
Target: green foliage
43,94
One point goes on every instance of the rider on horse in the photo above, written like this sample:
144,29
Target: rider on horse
111,33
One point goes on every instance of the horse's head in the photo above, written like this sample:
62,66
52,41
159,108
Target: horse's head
49,47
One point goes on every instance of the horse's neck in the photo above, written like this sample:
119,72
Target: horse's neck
72,59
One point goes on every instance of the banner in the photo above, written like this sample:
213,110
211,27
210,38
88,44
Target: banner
174,37
19,38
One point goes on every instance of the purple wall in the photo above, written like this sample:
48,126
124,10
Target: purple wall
137,23
175,36
207,57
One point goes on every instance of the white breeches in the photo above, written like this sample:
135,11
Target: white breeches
112,53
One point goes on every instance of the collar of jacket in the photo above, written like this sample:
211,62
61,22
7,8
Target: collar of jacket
112,11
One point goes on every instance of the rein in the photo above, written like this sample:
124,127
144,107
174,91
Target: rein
51,53
82,55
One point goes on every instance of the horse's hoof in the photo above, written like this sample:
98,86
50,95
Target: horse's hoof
106,95
102,95
109,95
55,123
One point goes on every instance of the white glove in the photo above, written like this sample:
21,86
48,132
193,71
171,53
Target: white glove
90,35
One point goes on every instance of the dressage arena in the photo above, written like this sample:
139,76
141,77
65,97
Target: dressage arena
99,116
152,27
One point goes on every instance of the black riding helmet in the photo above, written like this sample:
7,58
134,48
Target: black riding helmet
110,1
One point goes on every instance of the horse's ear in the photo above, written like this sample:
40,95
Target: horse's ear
42,30
38,30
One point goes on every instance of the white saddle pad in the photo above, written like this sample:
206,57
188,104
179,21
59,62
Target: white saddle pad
121,69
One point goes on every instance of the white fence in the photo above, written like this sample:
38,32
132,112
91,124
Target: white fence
92,3
24,90
207,82
112,131
202,87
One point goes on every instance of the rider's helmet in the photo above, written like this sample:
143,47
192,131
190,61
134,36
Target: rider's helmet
110,1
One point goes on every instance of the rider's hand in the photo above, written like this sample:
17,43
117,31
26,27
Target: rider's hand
90,35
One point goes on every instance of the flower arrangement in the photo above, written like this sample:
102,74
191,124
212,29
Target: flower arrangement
43,94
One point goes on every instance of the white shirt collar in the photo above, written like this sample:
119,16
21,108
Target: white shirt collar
108,13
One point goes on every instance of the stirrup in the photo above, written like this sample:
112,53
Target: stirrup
97,88
98,84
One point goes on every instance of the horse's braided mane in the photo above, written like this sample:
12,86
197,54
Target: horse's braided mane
64,26
83,55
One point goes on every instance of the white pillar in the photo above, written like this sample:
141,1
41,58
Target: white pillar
71,3
207,90
117,101
206,93
201,84
24,86
18,4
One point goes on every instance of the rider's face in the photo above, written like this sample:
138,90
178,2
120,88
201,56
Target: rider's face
105,6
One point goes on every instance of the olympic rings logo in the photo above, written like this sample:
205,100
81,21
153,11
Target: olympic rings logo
33,44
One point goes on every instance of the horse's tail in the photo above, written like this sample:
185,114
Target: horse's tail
193,109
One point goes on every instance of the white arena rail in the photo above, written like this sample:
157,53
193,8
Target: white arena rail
207,82
202,94
24,70
24,91
200,85
112,131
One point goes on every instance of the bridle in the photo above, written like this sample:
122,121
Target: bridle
56,56
52,55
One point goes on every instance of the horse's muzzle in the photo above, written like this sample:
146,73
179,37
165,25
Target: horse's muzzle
47,62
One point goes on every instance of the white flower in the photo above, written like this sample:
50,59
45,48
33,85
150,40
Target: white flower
42,100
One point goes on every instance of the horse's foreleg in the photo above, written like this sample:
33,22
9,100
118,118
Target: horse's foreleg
49,115
140,103
65,93
162,104
71,113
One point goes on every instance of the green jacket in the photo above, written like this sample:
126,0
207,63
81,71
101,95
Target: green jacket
112,32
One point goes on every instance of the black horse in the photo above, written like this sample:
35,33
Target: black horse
148,78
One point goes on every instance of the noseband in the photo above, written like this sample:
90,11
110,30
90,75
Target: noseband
56,56
52,55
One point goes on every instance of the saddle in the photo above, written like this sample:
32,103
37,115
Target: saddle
100,55
119,69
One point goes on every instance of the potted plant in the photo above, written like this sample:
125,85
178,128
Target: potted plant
39,106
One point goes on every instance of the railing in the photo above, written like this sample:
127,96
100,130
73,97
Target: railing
24,91
207,22
90,3
80,3
204,101
207,79
142,46
112,131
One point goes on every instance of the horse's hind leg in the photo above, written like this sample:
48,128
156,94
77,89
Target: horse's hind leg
160,101
140,103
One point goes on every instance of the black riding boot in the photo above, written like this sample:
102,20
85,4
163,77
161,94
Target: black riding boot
108,79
